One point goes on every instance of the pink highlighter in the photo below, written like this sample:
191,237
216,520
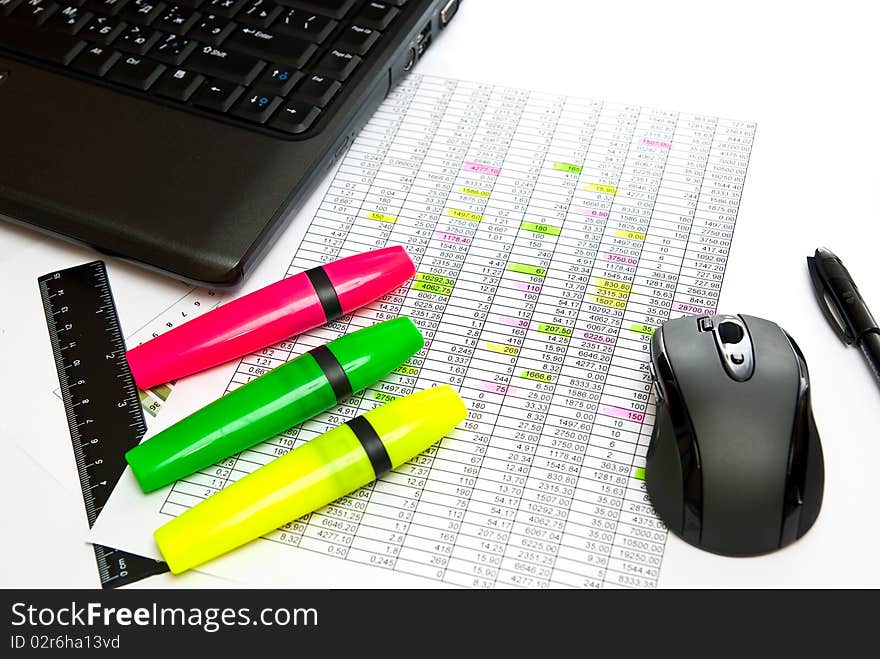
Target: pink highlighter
270,315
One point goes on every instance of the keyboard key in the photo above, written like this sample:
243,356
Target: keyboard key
358,39
225,8
69,19
106,7
50,46
278,80
225,64
137,72
259,13
103,30
96,60
295,117
36,12
136,40
6,6
172,49
177,20
317,90
337,64
377,15
305,25
256,107
217,95
178,84
143,12
212,29
332,8
270,46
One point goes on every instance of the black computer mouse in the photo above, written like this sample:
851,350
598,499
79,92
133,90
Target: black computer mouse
735,463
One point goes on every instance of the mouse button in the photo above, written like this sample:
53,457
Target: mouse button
730,332
735,347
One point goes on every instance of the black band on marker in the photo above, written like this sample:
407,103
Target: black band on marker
333,371
372,444
326,293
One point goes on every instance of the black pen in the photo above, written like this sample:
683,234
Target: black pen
843,306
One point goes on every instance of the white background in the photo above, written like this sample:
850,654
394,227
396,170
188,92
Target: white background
805,71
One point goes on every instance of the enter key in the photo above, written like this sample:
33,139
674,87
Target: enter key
269,46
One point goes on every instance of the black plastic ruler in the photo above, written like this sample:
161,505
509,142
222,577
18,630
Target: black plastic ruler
100,398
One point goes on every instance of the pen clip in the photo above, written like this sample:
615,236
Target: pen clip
826,303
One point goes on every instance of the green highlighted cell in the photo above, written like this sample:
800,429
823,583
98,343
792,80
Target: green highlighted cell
556,330
643,329
525,269
639,473
434,279
473,192
567,167
428,287
545,229
537,376
382,396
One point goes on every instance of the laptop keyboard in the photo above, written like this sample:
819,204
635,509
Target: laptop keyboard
275,63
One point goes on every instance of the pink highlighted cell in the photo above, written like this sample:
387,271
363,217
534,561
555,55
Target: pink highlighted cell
597,338
513,322
528,288
692,309
452,237
660,144
481,169
492,388
619,258
621,413
590,212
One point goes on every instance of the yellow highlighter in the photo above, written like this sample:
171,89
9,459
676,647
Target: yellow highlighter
310,476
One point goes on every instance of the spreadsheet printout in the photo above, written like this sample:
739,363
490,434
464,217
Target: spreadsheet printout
551,236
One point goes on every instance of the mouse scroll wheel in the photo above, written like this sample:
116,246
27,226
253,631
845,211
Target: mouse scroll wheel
730,332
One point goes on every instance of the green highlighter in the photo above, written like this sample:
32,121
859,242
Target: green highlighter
274,402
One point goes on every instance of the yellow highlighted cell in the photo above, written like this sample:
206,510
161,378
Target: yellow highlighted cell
404,369
473,192
502,349
604,188
631,235
612,285
612,302
535,227
464,215
556,330
537,376
381,217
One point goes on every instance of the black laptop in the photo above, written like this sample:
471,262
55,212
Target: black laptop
180,134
